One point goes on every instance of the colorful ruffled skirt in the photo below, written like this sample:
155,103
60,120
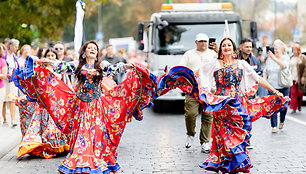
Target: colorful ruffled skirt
232,123
96,127
42,137
26,110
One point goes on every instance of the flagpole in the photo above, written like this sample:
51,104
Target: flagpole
226,29
79,35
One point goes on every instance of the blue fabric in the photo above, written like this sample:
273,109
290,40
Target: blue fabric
111,169
282,114
19,75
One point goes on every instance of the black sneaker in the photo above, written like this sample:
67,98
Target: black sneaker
14,124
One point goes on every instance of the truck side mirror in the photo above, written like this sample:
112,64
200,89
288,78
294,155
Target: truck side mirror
140,29
253,30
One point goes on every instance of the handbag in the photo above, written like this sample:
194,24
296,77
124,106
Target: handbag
285,78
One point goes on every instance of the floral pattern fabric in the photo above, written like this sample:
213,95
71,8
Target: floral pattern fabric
233,116
228,81
95,127
26,110
42,137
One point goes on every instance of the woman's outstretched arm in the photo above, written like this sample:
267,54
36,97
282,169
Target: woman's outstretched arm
264,83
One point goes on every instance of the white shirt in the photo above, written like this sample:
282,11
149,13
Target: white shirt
272,69
12,64
194,59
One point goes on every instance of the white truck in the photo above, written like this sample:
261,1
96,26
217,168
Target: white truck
172,32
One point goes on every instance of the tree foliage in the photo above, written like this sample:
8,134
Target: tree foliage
54,20
27,20
120,18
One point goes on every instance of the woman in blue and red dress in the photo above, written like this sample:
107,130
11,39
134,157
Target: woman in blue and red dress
233,113
41,137
94,119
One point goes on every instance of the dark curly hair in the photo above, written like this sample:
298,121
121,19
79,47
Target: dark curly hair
234,47
82,61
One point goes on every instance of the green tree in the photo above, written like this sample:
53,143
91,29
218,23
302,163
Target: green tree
44,19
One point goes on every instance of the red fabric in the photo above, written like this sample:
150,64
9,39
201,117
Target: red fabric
95,127
296,97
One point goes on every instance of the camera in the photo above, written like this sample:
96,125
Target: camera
270,49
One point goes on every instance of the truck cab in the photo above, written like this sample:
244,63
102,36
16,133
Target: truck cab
172,32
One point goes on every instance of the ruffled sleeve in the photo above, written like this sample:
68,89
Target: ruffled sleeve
206,79
63,67
110,70
249,82
22,78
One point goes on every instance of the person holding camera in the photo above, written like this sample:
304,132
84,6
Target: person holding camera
275,63
194,59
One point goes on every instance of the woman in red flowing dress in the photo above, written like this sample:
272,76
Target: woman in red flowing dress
95,120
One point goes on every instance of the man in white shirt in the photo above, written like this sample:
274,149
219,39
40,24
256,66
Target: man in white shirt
194,59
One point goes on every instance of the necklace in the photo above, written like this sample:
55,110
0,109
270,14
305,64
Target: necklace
231,66
89,66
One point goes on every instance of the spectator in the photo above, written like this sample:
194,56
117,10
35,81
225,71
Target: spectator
275,63
193,59
103,52
111,58
245,53
5,42
72,55
26,108
40,53
3,75
60,50
298,72
121,76
262,56
11,89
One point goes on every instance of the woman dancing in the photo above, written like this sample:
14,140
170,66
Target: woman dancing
233,113
95,120
42,137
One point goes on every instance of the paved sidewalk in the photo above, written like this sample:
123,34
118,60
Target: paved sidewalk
9,137
156,145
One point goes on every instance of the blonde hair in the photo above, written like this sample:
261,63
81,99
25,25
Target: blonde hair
280,44
23,47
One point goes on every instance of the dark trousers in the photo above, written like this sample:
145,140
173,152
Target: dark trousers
282,115
192,109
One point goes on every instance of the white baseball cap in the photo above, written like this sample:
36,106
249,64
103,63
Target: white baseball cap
201,36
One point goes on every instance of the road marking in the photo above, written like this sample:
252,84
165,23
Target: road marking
296,120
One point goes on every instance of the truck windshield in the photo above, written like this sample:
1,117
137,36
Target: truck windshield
177,39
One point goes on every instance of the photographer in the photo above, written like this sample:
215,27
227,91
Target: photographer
275,63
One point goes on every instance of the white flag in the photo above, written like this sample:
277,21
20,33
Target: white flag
226,30
78,28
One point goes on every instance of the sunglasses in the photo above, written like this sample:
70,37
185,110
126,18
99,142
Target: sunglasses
58,49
